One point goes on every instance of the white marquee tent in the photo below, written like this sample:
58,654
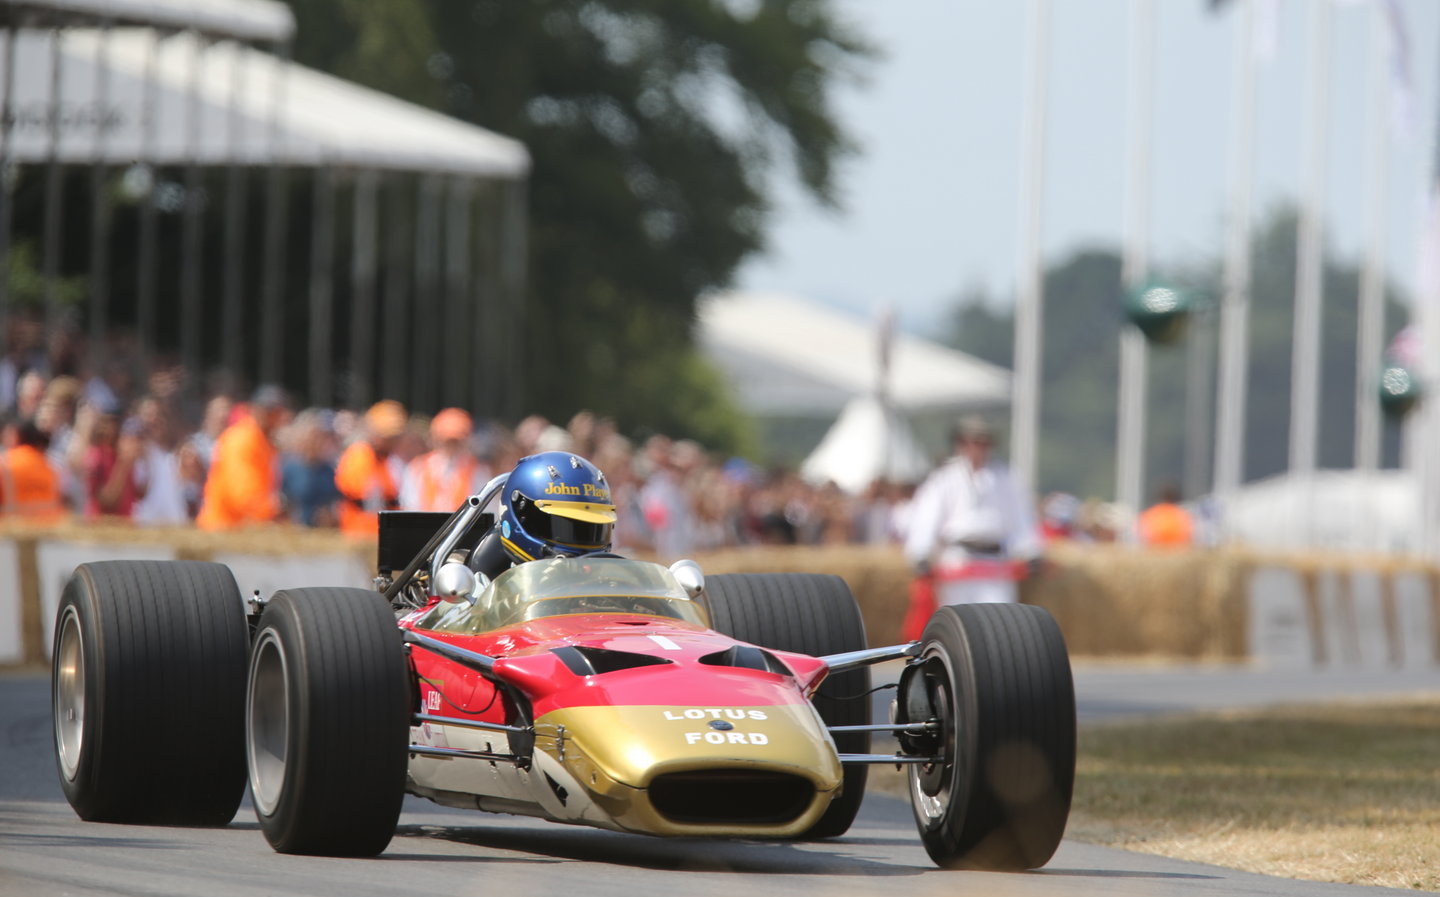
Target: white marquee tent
1348,510
786,356
126,87
130,94
869,441
259,20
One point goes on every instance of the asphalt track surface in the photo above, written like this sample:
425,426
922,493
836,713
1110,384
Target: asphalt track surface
46,850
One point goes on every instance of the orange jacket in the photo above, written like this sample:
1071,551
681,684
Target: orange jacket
29,486
243,485
1166,524
366,488
433,483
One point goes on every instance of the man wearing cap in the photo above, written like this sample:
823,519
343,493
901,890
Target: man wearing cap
971,527
243,484
363,473
442,478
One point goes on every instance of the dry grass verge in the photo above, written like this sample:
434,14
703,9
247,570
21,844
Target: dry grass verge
1340,793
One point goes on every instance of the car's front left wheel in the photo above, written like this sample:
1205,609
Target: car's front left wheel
996,680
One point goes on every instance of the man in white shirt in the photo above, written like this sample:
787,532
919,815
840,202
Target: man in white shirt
972,527
157,473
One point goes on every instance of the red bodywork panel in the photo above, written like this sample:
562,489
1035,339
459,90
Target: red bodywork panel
524,660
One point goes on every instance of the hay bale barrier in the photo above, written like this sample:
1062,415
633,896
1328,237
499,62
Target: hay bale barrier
1119,601
1112,602
877,574
36,561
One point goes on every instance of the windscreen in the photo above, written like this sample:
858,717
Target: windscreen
561,586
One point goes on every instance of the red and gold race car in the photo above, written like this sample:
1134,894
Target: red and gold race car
594,690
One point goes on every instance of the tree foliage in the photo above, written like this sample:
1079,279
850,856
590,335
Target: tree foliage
1083,318
27,286
655,128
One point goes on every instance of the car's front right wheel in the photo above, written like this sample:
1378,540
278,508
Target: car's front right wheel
327,722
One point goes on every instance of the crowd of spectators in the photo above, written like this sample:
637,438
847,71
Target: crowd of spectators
117,447
142,452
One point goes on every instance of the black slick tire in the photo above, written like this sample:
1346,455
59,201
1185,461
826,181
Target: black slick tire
327,722
815,614
997,676
148,692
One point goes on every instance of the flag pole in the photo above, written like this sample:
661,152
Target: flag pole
1235,305
1423,432
1371,318
1134,268
1309,272
1030,289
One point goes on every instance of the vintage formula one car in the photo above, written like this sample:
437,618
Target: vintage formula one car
595,690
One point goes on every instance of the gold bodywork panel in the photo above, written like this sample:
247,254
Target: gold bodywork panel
613,753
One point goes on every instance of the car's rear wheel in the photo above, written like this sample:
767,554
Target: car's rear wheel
813,614
148,692
327,722
997,678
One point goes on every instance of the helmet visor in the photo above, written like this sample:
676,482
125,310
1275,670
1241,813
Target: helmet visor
560,529
565,531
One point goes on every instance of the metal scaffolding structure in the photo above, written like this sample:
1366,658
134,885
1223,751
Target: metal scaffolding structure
191,135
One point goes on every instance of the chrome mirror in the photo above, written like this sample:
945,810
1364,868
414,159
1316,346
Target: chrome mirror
456,582
690,577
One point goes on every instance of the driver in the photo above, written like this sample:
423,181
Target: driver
555,504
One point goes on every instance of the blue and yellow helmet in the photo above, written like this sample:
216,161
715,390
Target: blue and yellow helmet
555,503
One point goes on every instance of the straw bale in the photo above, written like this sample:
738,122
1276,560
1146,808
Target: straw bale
877,574
1110,600
1113,600
193,544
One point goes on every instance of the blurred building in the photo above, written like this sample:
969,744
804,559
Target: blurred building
237,210
1346,510
813,377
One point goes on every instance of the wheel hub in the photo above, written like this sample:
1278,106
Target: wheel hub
69,694
931,783
267,722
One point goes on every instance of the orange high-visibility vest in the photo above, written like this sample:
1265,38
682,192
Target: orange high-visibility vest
440,489
243,483
1165,525
29,486
366,488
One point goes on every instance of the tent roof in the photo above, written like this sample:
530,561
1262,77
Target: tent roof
215,104
868,442
261,20
787,356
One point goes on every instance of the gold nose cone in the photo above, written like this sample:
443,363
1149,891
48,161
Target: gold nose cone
616,753
633,744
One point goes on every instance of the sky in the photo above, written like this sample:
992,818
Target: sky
931,203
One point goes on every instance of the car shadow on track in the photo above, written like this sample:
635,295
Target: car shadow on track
391,856
664,854
876,840
1123,873
37,841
